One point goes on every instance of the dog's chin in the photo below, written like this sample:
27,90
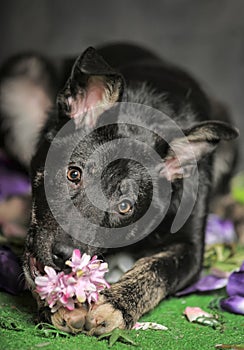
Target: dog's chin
32,269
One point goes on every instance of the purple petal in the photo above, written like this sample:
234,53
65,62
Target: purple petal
211,282
11,273
188,290
13,184
219,230
205,284
242,266
219,273
235,284
12,181
234,304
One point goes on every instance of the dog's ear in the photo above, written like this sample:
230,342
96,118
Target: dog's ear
200,140
92,87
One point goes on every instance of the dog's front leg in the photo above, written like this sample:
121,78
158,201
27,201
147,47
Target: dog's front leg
142,288
138,291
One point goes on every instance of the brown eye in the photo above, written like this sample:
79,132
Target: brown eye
125,206
74,174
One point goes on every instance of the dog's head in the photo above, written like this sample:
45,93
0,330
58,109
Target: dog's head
90,188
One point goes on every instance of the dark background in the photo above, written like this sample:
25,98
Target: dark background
205,37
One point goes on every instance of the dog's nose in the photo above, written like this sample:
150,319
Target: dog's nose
61,253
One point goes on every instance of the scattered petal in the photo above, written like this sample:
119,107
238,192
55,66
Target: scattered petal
211,282
192,313
205,284
11,273
234,304
13,182
235,284
219,273
235,290
219,230
149,325
197,315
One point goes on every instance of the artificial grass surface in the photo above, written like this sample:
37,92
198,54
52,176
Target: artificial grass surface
181,335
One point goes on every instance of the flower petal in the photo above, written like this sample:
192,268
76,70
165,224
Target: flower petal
235,284
67,289
188,290
70,305
211,282
192,313
50,272
205,284
93,296
149,325
233,304
219,230
85,259
76,254
13,182
41,281
10,272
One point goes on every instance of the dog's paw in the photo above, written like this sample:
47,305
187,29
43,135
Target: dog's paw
103,318
100,318
70,321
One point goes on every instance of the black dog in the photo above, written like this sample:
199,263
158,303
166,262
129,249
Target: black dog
167,262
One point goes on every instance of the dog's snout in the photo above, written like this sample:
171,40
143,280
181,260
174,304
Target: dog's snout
61,253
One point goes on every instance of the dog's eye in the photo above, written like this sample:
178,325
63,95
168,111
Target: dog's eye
74,174
125,206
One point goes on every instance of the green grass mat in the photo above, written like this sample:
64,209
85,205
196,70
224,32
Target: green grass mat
180,334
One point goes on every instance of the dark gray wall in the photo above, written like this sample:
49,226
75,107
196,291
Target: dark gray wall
204,36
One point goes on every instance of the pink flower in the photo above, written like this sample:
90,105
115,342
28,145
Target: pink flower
47,284
78,262
83,284
57,289
84,288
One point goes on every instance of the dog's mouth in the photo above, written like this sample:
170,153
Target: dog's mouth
36,268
